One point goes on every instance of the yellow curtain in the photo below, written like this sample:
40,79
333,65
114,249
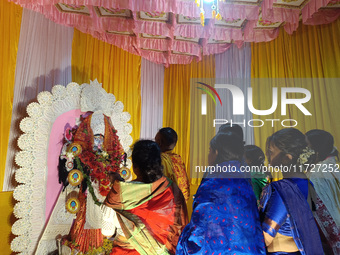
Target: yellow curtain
6,221
178,80
10,21
116,69
311,52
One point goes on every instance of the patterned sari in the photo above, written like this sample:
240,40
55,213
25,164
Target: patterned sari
174,168
225,218
286,216
151,216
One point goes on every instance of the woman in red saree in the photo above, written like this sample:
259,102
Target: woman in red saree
151,210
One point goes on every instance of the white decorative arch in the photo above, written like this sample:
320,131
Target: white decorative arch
34,233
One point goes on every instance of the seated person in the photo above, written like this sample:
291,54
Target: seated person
173,165
151,210
225,218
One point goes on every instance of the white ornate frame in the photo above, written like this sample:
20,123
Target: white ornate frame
33,236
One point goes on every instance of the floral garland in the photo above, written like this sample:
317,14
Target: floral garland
304,156
100,165
94,164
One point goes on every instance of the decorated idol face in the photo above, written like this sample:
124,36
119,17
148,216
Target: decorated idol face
98,141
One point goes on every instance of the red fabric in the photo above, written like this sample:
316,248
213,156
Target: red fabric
164,216
328,229
121,251
84,239
158,215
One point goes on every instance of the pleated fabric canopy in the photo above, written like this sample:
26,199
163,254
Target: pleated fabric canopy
178,31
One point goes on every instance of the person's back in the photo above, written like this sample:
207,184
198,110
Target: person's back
225,219
151,208
285,206
325,176
254,158
173,165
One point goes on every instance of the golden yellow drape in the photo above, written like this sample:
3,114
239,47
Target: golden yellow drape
10,21
176,106
311,52
116,69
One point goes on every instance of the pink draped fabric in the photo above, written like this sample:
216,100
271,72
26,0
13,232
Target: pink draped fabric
312,7
238,11
170,31
323,17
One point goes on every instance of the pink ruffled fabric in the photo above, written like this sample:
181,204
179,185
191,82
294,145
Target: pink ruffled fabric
291,27
282,15
252,34
157,44
187,8
187,47
237,11
312,7
190,31
154,56
175,37
210,49
153,28
227,34
180,59
323,17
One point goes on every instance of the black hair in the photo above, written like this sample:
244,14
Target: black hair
254,154
146,156
322,142
229,146
290,141
169,136
231,127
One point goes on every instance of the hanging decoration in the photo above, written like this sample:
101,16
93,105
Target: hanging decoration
124,171
215,11
179,31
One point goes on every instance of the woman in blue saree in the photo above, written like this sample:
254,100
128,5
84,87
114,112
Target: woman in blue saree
285,207
225,218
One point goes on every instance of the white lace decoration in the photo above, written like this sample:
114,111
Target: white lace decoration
32,236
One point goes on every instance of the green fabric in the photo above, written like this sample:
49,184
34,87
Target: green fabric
133,194
258,181
138,236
